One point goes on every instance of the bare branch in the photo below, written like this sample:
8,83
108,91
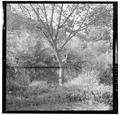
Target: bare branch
45,14
74,32
59,21
69,16
70,37
47,23
20,6
39,19
51,21
28,12
24,9
41,8
82,28
37,14
46,36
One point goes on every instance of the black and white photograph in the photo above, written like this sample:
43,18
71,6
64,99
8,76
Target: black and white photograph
60,57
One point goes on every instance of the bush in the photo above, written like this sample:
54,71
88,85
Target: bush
106,76
18,83
107,98
87,87
14,88
83,89
35,89
37,96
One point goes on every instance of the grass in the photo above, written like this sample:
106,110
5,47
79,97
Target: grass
83,90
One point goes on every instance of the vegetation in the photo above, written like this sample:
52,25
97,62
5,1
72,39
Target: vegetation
59,54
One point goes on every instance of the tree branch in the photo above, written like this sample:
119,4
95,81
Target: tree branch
59,22
46,15
39,19
28,12
37,14
74,32
51,21
81,28
68,16
47,23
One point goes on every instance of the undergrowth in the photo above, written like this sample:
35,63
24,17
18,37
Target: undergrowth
84,90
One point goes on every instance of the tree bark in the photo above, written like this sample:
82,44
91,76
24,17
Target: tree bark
59,59
61,70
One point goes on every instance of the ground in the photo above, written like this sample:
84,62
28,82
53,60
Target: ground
68,106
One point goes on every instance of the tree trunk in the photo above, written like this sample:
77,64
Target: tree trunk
61,70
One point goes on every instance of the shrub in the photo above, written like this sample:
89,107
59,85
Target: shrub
87,88
106,76
14,88
107,98
36,96
35,89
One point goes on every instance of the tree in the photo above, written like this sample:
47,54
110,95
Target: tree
59,23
